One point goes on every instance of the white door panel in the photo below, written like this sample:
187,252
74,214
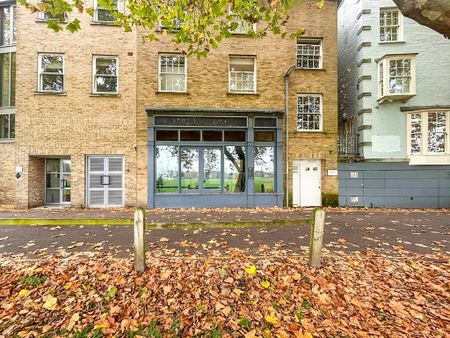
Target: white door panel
307,191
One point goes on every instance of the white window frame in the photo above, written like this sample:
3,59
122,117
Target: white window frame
9,113
40,73
255,81
97,7
424,133
160,75
94,73
321,113
384,93
305,41
399,26
12,24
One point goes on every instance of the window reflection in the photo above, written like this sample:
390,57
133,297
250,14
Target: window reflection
167,169
264,170
234,169
212,169
189,169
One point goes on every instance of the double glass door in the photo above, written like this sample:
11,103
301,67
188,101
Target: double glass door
58,181
201,169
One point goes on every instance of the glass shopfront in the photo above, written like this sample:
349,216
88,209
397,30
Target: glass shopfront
207,161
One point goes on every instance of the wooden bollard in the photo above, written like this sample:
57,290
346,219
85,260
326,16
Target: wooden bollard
316,238
139,241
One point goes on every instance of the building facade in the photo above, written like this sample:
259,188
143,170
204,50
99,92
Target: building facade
394,108
103,119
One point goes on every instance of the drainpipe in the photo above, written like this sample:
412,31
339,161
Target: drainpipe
286,109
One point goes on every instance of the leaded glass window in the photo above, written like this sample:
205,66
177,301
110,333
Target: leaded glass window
309,54
389,25
309,112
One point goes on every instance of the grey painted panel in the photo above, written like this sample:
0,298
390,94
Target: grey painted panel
395,185
410,183
444,202
374,192
355,183
416,174
444,191
374,175
213,200
355,192
374,184
411,192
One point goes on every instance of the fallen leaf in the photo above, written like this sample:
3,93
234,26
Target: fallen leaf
50,302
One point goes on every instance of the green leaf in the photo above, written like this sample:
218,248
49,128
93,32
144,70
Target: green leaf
73,26
53,25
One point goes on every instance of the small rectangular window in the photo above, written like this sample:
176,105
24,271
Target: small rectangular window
172,73
102,14
264,136
7,25
8,79
242,74
234,135
309,53
51,73
212,135
190,135
106,74
167,135
309,112
7,126
390,28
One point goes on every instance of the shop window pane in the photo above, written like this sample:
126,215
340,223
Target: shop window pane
212,135
166,169
190,135
234,169
212,169
264,136
189,169
264,169
234,135
167,135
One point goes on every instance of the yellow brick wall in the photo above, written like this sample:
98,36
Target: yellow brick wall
77,123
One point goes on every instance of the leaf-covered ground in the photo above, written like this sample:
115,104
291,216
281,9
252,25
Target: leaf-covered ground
353,295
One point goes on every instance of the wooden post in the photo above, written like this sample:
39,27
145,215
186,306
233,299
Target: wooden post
316,238
139,242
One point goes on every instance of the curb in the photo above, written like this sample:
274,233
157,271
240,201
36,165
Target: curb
44,221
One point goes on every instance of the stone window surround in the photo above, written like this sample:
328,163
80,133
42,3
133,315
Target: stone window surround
425,156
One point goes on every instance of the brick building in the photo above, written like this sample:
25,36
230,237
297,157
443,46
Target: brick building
101,119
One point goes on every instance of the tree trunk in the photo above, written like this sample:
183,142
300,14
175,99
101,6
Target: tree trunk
431,13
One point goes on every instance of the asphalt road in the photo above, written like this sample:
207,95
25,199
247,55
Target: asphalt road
420,232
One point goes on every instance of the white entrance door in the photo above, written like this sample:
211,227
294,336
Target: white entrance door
306,182
105,181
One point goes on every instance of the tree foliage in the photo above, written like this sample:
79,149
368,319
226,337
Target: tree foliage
431,13
197,25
